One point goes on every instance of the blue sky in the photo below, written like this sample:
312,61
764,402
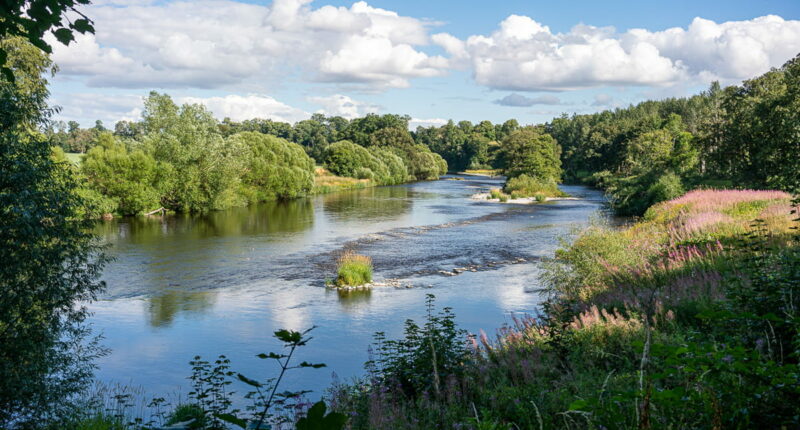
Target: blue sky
433,60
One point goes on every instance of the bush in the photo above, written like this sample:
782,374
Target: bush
527,186
188,412
354,270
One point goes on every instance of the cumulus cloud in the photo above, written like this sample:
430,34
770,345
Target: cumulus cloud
425,122
224,43
518,100
108,108
523,54
239,108
344,106
602,100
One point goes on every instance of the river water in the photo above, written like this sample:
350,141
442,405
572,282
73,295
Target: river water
223,282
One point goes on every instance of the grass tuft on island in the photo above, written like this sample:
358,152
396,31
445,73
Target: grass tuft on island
525,189
354,270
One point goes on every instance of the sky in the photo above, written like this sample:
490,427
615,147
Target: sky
433,60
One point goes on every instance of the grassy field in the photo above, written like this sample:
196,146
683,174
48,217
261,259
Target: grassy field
326,182
483,172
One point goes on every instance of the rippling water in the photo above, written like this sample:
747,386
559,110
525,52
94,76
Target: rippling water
223,282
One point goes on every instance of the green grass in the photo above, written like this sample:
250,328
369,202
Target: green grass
326,182
354,270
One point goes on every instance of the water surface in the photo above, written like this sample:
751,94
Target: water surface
222,283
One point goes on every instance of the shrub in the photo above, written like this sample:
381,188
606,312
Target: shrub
495,193
540,197
354,270
188,412
503,198
528,186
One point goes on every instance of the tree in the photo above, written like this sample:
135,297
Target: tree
274,168
132,179
50,264
202,171
532,152
32,19
393,137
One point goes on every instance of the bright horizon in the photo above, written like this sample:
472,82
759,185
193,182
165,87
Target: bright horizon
532,61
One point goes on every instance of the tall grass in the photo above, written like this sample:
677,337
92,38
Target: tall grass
354,270
528,186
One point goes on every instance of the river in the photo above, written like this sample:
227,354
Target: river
223,282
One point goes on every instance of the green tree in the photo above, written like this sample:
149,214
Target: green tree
202,171
33,19
50,264
132,179
532,152
274,168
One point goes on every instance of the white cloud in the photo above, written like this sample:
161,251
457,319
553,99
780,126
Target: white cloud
523,54
344,106
602,100
417,122
239,108
109,108
224,43
518,100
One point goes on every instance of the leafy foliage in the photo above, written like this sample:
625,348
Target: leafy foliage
532,152
50,264
33,19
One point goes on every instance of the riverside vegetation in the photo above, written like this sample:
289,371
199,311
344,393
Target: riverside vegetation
353,270
686,319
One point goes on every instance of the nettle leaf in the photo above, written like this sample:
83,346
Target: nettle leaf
271,355
288,336
83,26
313,365
248,381
230,418
64,35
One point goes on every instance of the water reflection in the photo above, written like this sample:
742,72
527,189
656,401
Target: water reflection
354,301
264,218
369,203
162,308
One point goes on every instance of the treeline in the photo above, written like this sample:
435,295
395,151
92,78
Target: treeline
181,161
184,160
745,136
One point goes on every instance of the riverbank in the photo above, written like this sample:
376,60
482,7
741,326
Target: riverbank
686,319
